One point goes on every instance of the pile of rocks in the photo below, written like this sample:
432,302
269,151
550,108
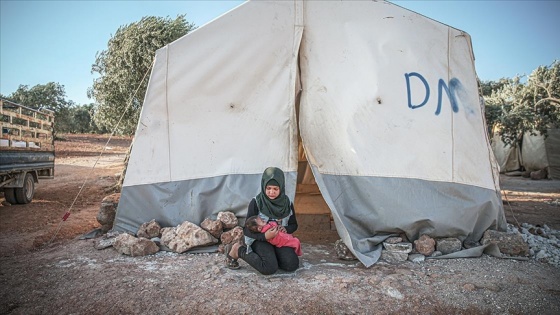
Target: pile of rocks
528,241
107,212
151,237
544,242
396,250
532,241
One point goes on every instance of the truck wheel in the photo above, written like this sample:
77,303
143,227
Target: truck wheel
25,194
10,195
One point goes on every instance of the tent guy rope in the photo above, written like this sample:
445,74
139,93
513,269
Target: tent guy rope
511,209
69,211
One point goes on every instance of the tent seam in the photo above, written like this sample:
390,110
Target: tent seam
167,110
452,116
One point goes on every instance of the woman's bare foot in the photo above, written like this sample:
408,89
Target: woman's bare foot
234,250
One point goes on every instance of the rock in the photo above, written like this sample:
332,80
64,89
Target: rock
107,211
394,293
448,245
232,235
540,174
488,285
229,220
541,255
149,230
401,247
416,258
342,251
425,245
106,240
509,244
537,231
129,245
436,253
469,287
393,257
104,243
186,236
393,240
216,228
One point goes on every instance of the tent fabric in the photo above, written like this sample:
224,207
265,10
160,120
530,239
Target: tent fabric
552,145
391,206
539,152
507,157
389,118
533,152
373,155
210,112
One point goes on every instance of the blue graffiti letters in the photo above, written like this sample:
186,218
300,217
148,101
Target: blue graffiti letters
419,76
452,90
454,85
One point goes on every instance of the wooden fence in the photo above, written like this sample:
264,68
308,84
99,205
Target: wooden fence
26,128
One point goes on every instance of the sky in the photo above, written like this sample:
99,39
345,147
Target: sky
57,41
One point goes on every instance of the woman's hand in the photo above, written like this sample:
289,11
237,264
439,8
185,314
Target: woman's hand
282,229
271,233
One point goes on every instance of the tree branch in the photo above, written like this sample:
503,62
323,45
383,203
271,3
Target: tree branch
550,99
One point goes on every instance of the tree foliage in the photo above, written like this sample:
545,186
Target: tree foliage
68,116
124,64
81,120
518,107
50,96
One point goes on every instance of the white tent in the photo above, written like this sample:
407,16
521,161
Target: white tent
388,112
508,157
539,152
535,152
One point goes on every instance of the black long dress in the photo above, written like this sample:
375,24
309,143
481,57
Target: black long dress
265,257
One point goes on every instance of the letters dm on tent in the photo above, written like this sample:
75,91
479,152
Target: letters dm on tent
387,106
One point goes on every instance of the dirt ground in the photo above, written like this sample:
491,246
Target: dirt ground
45,268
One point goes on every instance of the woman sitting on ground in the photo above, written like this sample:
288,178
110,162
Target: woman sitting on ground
270,204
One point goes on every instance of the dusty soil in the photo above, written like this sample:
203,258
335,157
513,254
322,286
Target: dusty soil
46,269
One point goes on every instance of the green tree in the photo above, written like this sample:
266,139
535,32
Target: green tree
543,88
50,96
123,65
81,119
488,86
518,107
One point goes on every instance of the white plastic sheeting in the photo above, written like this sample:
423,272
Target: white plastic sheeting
507,157
533,152
539,152
389,117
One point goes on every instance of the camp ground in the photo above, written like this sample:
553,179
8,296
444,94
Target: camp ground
377,105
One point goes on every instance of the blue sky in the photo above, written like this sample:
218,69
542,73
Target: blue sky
44,41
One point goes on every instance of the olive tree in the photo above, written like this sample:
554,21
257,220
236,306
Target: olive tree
123,69
533,106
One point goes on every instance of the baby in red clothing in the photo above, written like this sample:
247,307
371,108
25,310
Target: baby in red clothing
258,225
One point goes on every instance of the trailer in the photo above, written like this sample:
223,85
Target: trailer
26,150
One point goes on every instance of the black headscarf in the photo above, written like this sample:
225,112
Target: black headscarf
279,207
